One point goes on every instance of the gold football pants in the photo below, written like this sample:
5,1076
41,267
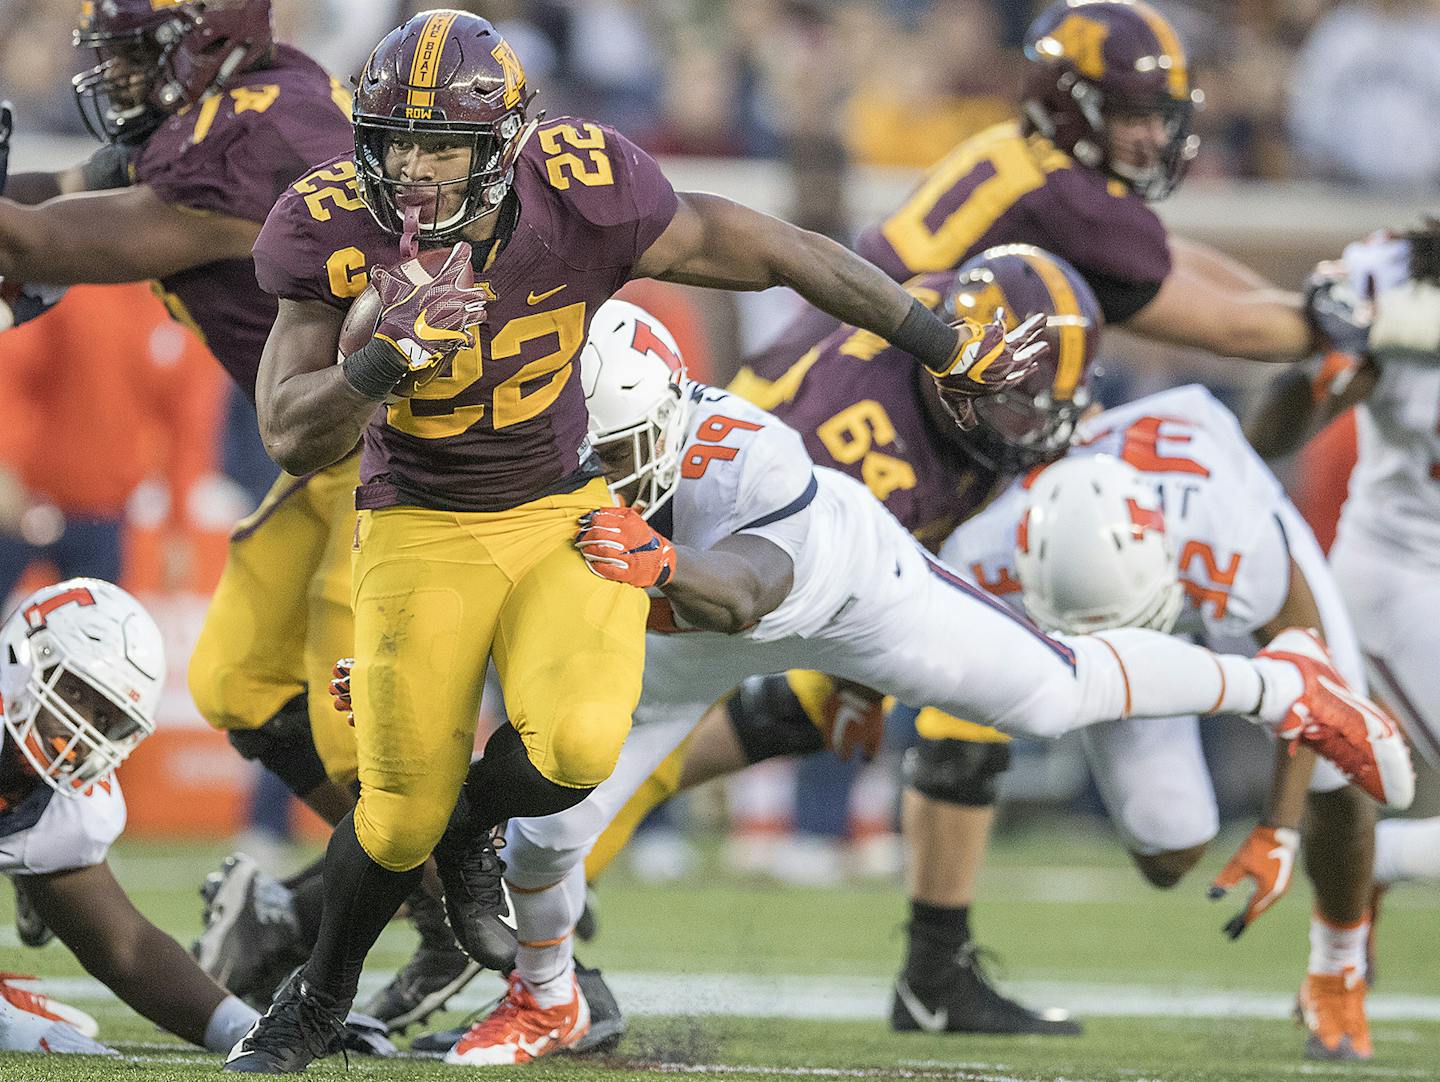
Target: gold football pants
280,617
436,595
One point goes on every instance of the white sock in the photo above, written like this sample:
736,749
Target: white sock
1163,676
1407,849
228,1024
1334,948
1283,685
544,920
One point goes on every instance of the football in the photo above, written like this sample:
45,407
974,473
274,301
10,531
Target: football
364,314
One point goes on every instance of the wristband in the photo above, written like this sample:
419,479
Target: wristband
374,369
926,336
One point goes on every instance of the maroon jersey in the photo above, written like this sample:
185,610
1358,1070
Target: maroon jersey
233,152
504,422
1002,187
855,400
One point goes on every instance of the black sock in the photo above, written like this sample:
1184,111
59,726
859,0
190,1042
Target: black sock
360,899
311,871
936,934
504,784
309,901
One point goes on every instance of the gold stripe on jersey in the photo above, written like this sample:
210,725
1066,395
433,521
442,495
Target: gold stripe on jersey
1068,318
425,67
1176,70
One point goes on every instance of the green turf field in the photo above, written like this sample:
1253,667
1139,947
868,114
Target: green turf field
1071,921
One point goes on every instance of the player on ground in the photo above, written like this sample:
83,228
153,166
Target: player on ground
1387,549
1163,517
1104,130
477,467
758,561
82,666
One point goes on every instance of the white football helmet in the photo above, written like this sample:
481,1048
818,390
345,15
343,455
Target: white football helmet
639,400
82,666
1091,550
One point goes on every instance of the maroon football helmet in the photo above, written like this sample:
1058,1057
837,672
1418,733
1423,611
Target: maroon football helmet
451,76
1034,421
1093,60
157,56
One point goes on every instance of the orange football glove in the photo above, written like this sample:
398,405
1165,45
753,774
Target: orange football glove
1268,857
857,722
620,545
988,361
340,687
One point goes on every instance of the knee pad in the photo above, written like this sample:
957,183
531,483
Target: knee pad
285,746
769,720
398,832
956,771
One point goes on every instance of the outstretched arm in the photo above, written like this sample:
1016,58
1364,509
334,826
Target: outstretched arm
1213,303
126,235
94,917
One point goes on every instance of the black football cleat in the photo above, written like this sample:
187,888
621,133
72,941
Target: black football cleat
30,928
962,1000
251,940
476,900
301,1026
607,1023
435,972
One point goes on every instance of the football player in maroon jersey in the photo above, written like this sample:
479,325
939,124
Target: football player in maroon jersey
474,473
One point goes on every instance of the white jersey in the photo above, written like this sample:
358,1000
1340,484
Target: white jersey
1227,516
1394,502
746,471
46,832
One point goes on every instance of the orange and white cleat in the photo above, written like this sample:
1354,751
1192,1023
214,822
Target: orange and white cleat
31,1021
1346,728
1332,1008
519,1030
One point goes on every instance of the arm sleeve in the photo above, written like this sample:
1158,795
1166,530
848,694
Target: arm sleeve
289,261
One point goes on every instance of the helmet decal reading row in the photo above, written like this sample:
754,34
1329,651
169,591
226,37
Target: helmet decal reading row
445,82
639,401
1035,422
82,666
154,57
1100,66
1091,550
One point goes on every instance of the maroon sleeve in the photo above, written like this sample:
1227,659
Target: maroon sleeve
606,205
238,166
290,254
1100,227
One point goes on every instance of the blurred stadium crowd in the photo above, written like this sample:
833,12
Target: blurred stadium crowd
1312,90
748,77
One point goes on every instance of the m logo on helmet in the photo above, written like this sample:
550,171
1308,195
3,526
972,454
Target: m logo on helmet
35,615
1080,39
514,73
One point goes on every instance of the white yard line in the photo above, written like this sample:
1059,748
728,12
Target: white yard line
850,998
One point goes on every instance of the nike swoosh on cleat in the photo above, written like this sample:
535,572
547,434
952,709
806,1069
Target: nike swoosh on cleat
536,298
929,1021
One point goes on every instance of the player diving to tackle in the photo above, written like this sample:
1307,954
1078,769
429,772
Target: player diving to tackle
1105,131
475,465
755,560
1162,516
82,666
